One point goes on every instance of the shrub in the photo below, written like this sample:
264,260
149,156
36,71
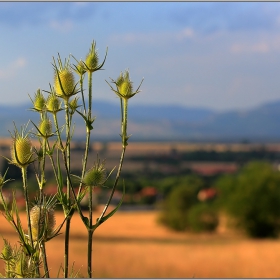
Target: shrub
252,197
178,203
203,217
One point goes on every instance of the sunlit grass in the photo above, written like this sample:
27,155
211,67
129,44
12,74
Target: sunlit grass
133,245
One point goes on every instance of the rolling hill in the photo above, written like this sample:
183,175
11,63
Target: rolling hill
168,122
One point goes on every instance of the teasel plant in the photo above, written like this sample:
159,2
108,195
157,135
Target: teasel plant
62,97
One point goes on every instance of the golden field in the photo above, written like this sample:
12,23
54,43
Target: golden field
134,245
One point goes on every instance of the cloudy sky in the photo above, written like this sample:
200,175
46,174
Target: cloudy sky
220,55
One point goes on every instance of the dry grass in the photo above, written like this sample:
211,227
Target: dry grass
133,245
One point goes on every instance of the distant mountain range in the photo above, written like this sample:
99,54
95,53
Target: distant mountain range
164,122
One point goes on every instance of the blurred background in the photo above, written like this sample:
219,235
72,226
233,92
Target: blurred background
202,166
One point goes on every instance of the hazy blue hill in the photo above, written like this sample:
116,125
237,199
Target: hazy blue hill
168,122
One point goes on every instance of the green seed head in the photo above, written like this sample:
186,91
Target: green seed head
96,176
126,89
64,83
45,127
53,104
124,86
21,151
39,101
80,68
73,104
92,58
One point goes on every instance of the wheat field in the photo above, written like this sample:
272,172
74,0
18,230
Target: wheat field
134,245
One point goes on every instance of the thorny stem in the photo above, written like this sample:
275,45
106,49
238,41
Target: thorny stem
90,234
87,130
53,165
89,228
24,179
124,103
82,92
67,163
66,159
89,93
43,249
114,186
67,172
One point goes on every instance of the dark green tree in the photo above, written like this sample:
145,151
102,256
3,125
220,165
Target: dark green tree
179,201
252,197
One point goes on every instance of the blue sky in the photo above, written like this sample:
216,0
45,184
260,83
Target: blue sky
219,55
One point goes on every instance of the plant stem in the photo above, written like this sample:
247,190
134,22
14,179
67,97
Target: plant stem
124,104
90,234
87,129
114,186
43,249
89,93
24,179
67,163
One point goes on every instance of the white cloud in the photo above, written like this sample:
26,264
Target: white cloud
256,43
185,33
261,47
62,26
152,38
12,69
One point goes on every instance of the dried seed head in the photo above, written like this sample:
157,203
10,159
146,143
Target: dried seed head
64,83
21,151
42,221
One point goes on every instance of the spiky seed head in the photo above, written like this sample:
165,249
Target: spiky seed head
39,101
80,68
96,176
42,221
45,127
73,104
64,83
53,104
91,60
126,89
21,151
124,86
7,251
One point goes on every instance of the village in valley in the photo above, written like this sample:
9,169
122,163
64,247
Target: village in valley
147,162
